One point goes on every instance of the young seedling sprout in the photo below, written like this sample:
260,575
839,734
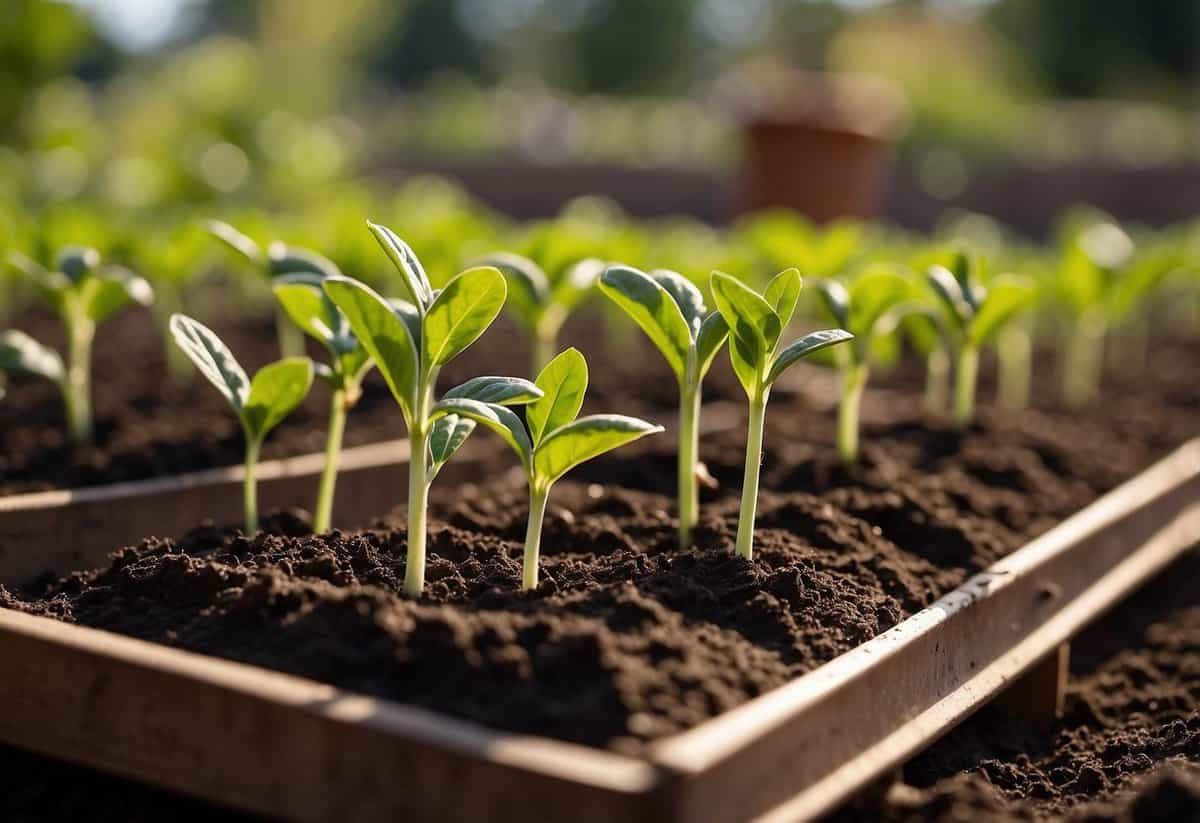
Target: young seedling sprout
410,341
972,315
277,260
671,311
260,404
305,302
540,305
85,292
756,322
870,308
555,442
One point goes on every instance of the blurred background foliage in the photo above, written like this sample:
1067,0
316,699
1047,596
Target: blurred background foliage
145,102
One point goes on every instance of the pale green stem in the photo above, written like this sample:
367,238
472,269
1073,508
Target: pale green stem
1014,363
689,456
250,486
323,514
418,502
533,536
854,380
964,385
937,380
1084,359
754,440
77,384
291,339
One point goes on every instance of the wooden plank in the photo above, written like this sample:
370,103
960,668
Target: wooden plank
285,746
1039,695
61,531
848,722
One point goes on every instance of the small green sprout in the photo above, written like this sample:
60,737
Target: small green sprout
410,341
671,311
260,404
555,441
85,292
277,260
540,304
972,316
304,300
756,322
871,308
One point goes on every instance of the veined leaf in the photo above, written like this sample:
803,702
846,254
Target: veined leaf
447,436
384,335
283,259
461,312
782,294
212,358
276,389
713,333
754,328
503,391
412,272
563,383
237,241
307,305
836,299
686,296
579,441
654,310
499,419
21,354
806,345
529,289
947,289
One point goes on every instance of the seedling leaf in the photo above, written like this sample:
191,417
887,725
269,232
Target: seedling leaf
275,391
447,436
713,332
499,419
654,310
461,312
212,358
503,391
237,241
686,296
563,383
806,345
1006,297
836,299
383,334
579,441
416,283
283,259
783,292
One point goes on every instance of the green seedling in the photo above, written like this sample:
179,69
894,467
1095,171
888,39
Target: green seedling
304,301
671,311
260,404
410,341
555,441
871,309
277,260
85,292
541,305
756,322
972,316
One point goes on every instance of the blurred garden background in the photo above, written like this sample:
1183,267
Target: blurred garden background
1016,108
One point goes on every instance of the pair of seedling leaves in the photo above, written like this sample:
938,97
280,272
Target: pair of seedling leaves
540,303
972,314
670,310
84,291
409,341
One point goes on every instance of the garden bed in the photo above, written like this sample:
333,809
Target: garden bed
629,641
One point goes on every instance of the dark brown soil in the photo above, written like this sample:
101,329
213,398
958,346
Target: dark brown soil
629,639
1127,749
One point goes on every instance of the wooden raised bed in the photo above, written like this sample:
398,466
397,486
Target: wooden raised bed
296,749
